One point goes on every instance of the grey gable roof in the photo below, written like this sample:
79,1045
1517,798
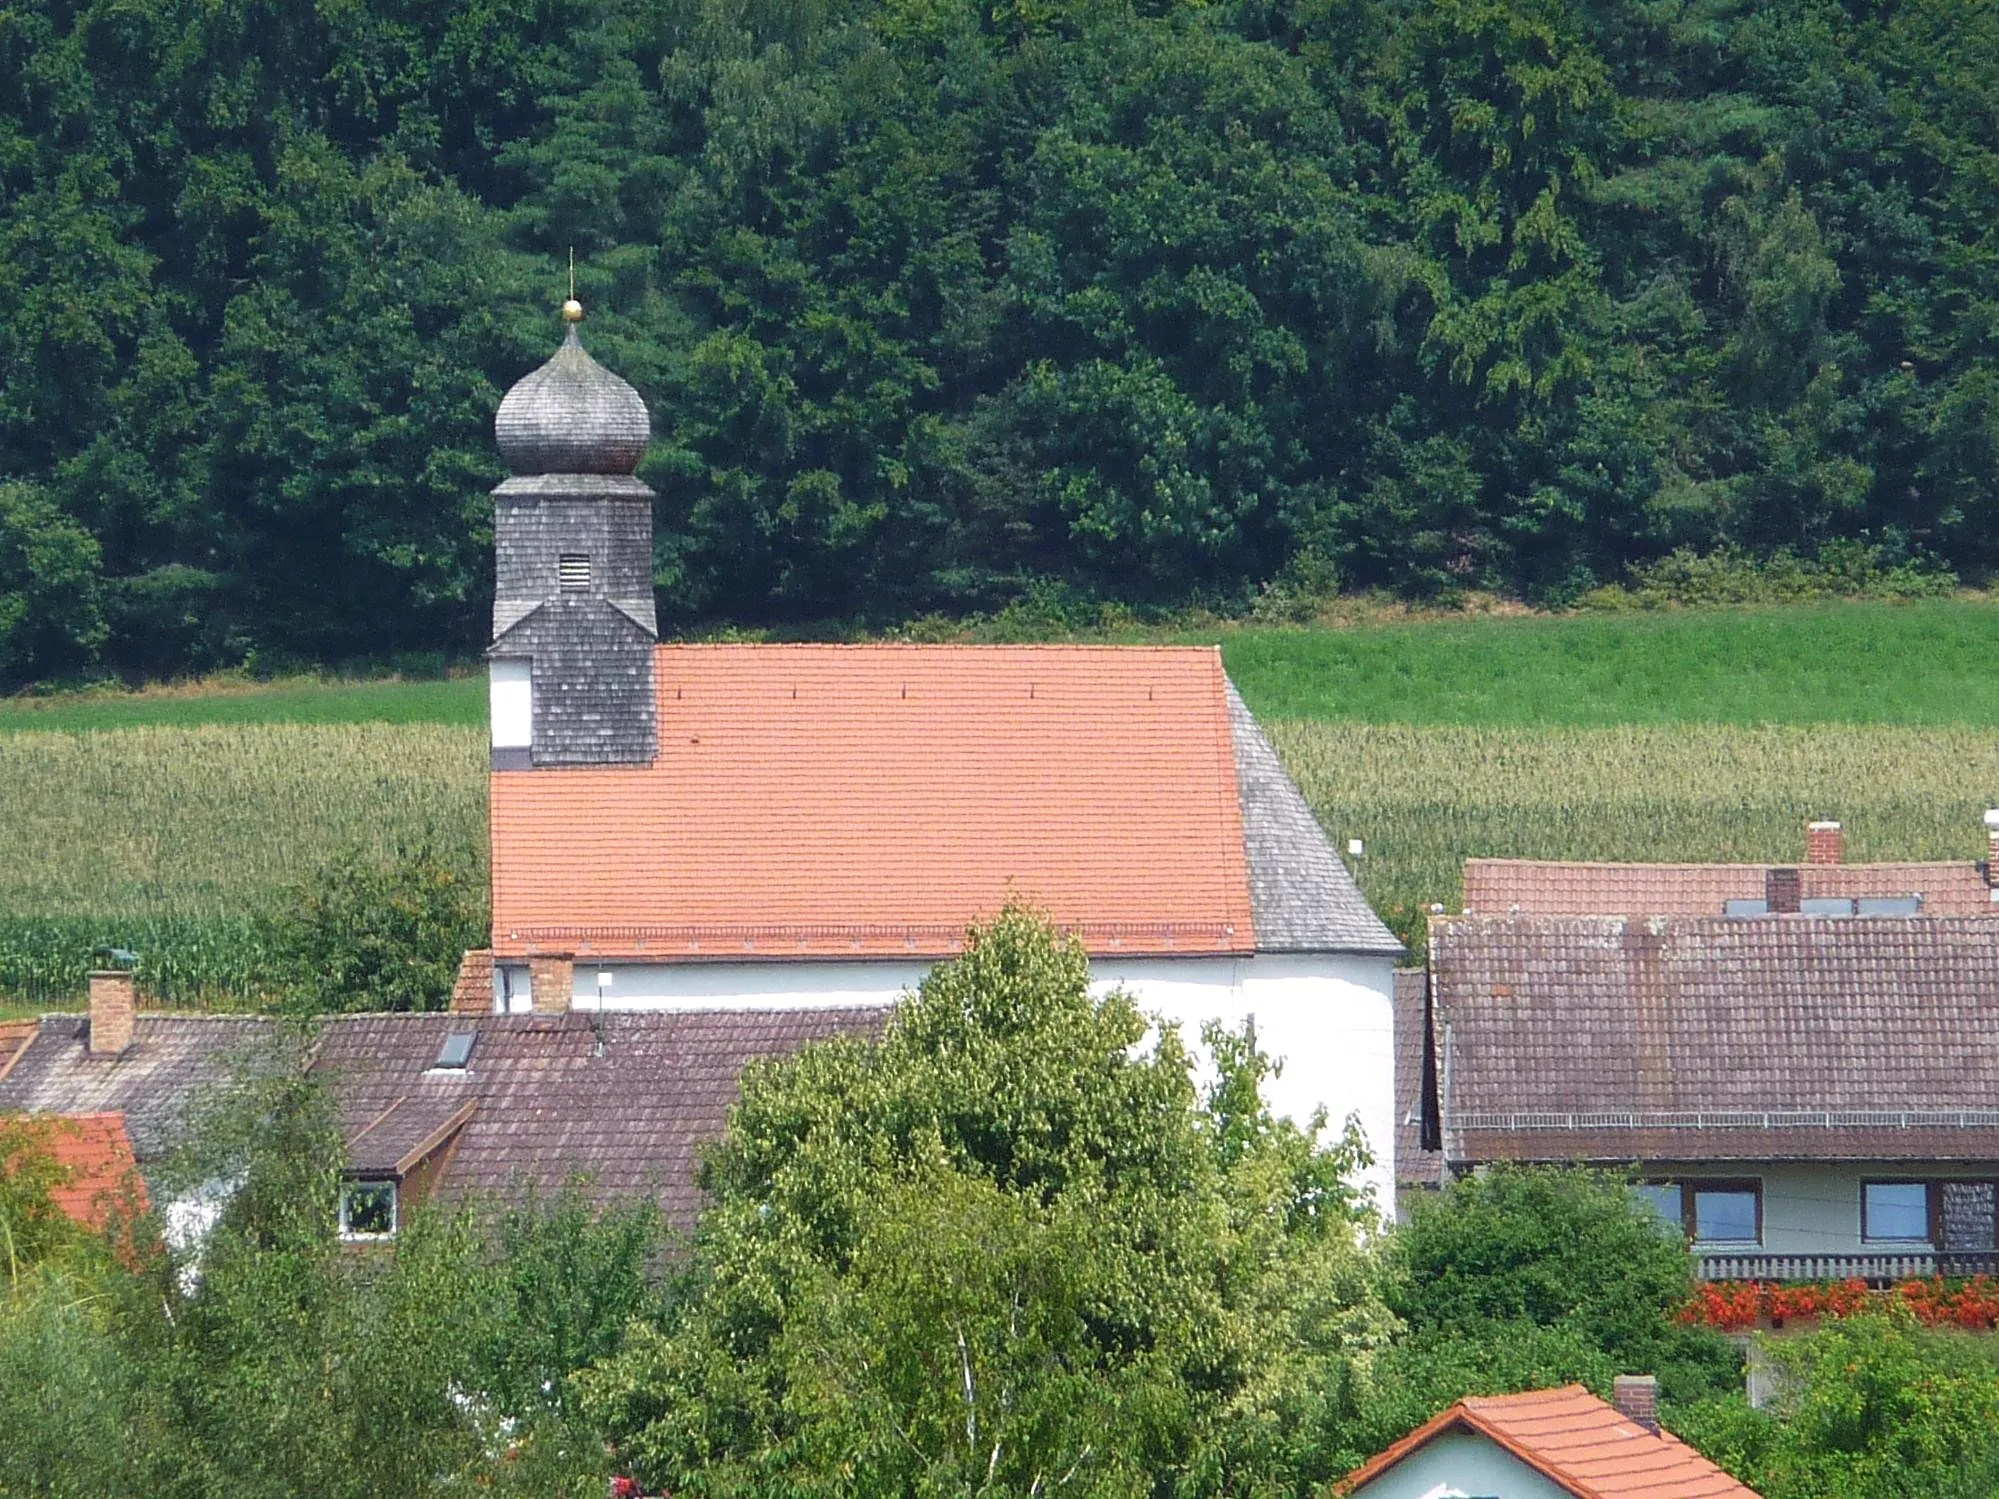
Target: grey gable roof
1301,895
172,1059
1765,1038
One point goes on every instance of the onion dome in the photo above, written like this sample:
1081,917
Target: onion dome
572,416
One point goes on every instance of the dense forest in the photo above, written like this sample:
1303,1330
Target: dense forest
941,302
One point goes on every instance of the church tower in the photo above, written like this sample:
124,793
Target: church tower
573,624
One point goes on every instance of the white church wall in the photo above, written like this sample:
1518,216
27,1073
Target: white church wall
1326,1018
511,699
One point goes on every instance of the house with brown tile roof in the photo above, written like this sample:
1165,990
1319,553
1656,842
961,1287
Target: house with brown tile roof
1823,884
1545,1444
457,1107
797,827
496,1107
1805,1097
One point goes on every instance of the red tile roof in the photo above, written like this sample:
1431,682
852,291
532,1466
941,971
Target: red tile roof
1537,887
831,801
95,1157
1586,1445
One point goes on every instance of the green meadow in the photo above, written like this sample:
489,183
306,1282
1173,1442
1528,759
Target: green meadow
167,821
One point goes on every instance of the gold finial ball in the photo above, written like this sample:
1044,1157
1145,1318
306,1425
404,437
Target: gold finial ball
572,311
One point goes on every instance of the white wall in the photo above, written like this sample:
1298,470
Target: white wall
1461,1465
1326,1018
511,698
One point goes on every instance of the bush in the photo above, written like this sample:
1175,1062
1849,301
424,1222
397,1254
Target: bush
369,934
1868,1407
1530,1276
1730,576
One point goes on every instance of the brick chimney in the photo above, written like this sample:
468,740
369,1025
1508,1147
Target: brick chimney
552,976
1992,850
114,1008
1636,1397
1782,891
1825,843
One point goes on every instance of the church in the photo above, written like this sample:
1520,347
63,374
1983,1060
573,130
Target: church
801,827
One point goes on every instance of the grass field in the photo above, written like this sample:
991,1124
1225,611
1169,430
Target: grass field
1927,663
455,700
167,822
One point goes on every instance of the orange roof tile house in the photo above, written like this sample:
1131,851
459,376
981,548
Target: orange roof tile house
95,1175
799,826
1545,1444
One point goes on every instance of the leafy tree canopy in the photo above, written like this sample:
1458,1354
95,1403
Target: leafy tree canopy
938,304
1525,1277
1008,1249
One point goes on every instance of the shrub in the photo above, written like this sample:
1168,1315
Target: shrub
1536,1275
1728,575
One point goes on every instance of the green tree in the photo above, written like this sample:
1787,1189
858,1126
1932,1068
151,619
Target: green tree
269,1358
1006,1249
1867,1407
375,934
33,1228
1529,1276
51,612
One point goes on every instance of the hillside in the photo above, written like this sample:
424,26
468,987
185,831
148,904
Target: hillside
940,304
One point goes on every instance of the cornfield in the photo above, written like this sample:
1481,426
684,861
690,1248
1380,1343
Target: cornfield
1424,799
172,841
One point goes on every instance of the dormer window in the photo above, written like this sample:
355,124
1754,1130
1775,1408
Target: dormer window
572,572
368,1210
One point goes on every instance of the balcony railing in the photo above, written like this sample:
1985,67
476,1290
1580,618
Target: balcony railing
1876,1269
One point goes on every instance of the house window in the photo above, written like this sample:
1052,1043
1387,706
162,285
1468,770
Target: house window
1725,1212
368,1210
572,572
1895,1212
1708,1212
512,699
1664,1199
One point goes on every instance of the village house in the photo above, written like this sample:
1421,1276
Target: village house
1545,1444
1805,1097
97,1176
454,1108
1823,884
788,828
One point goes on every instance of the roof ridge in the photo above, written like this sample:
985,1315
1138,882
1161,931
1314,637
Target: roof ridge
1484,1414
941,647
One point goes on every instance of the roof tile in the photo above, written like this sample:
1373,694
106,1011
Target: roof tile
1585,1444
1538,887
1619,1038
95,1156
841,801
